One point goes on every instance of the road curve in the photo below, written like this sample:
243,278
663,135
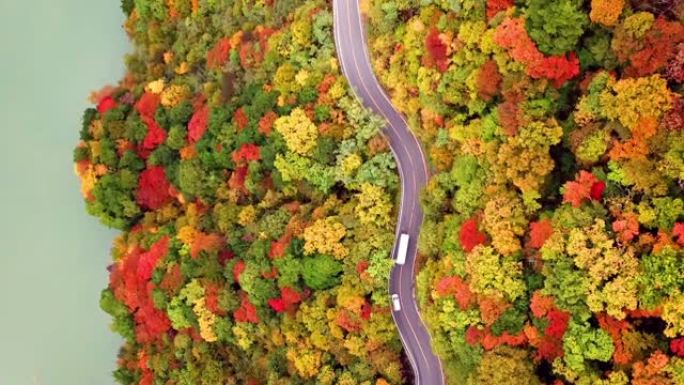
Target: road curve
352,51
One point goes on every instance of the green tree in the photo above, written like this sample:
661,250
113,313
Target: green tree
555,26
321,271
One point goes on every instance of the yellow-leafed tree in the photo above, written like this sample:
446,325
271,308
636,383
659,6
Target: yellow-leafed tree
324,237
298,130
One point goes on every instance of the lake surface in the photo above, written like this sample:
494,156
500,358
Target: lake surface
53,256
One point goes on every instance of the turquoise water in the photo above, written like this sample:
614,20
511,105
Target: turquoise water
53,255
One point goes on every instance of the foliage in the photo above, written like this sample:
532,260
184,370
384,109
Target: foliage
320,272
299,132
470,236
606,12
494,275
555,26
511,35
505,365
324,236
254,196
437,49
583,343
553,230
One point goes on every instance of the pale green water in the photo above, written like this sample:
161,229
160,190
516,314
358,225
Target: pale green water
52,255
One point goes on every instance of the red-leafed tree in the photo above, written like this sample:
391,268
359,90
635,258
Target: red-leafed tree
149,259
626,228
458,288
289,297
264,33
490,341
548,342
677,346
366,310
559,69
129,281
659,47
347,321
488,80
246,153
277,304
597,190
549,349
509,112
437,50
512,35
616,328
585,186
153,188
155,135
173,280
238,268
674,120
326,83
270,274
558,323
496,6
150,322
266,123
541,304
124,280
106,104
446,285
473,335
678,233
198,124
147,104
225,255
247,312
237,179
470,236
279,246
147,377
362,266
240,118
247,54
540,231
218,55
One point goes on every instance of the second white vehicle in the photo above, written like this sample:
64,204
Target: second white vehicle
396,304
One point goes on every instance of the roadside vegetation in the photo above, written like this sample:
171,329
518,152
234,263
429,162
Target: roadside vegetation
553,245
255,198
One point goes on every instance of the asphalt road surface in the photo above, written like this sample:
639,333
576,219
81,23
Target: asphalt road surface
351,45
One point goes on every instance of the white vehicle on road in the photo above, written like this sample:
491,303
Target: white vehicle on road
396,305
402,249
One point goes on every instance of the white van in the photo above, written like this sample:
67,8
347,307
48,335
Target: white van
402,249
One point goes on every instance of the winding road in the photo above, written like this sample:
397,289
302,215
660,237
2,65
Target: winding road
353,54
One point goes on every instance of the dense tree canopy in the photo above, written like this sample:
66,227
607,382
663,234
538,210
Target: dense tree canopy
553,219
255,199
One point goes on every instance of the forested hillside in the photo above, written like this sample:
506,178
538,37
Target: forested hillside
554,234
255,198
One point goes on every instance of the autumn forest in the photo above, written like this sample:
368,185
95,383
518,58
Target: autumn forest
256,198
